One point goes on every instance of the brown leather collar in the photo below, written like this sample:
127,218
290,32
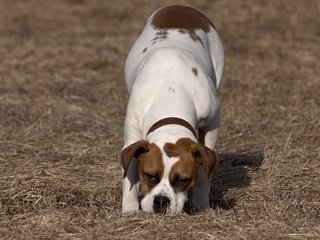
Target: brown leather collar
172,120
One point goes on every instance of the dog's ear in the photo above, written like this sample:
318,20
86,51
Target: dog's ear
205,156
132,151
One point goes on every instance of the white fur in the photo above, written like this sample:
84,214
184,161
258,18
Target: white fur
161,84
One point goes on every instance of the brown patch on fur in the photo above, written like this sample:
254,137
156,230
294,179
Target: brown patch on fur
151,163
144,50
181,17
192,155
185,18
130,152
195,71
160,36
186,167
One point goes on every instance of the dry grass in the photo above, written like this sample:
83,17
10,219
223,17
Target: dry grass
63,100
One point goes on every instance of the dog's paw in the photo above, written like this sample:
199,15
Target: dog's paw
130,208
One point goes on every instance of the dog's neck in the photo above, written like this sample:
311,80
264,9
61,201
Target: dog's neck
171,130
172,121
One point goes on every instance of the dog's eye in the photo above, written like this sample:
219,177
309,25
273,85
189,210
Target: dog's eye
152,178
182,181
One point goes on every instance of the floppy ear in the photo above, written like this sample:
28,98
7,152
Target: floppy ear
205,156
130,152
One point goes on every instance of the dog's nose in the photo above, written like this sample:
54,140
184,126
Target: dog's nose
160,204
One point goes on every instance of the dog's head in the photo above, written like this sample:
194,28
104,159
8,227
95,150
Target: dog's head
167,171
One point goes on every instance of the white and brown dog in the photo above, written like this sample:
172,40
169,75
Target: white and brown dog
172,73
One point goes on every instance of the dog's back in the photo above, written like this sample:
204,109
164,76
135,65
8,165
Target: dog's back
178,27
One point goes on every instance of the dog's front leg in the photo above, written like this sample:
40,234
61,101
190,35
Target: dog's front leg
130,189
200,191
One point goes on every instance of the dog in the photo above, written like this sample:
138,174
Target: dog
172,73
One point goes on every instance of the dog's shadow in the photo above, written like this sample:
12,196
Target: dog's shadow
234,171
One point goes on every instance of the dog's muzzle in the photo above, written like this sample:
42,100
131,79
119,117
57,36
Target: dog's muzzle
161,204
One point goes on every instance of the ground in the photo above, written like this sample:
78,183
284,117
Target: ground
63,101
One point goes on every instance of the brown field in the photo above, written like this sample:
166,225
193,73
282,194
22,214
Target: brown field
63,101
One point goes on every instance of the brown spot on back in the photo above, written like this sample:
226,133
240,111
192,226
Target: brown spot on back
160,35
181,17
195,71
152,163
144,50
186,19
